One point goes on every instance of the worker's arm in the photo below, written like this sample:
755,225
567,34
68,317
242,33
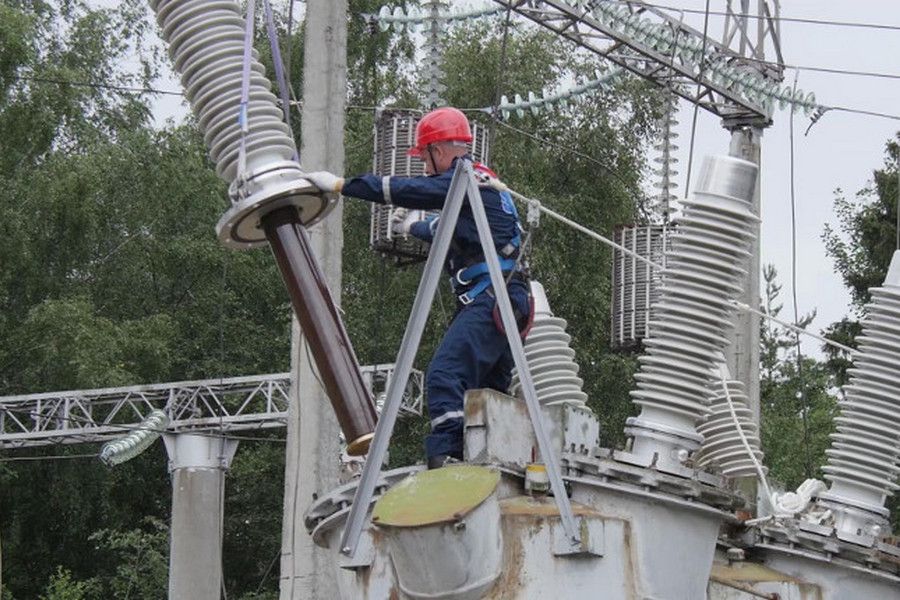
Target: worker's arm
409,192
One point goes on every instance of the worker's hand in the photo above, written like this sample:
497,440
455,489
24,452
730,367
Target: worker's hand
325,181
402,220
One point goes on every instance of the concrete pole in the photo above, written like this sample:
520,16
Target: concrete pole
742,355
313,448
197,467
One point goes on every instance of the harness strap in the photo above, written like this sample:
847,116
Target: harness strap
479,275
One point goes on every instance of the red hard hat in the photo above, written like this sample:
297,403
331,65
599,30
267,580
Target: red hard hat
441,125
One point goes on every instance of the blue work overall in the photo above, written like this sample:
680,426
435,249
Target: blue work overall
473,353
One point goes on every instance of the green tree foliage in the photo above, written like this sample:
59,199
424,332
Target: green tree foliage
111,273
797,400
867,237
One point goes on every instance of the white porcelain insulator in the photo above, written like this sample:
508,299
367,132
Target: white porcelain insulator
551,359
703,275
206,44
722,449
864,457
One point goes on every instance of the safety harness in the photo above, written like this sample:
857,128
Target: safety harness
474,278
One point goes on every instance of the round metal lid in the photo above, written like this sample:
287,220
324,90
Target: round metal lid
437,496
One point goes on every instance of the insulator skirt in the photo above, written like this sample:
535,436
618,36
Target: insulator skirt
704,273
206,43
864,457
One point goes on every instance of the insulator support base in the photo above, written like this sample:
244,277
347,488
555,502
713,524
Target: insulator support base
259,193
663,447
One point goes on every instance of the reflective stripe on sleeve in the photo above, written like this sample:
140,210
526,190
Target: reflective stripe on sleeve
386,188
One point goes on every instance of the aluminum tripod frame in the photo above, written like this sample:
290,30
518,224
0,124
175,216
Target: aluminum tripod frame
463,184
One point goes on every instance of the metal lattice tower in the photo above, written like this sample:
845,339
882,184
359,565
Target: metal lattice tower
654,45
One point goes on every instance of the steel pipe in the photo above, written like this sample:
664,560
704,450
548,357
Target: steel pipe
322,328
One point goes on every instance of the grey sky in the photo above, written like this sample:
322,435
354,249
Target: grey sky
840,152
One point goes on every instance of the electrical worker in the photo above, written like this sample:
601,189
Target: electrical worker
474,352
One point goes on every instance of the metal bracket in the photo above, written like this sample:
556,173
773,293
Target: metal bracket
592,542
362,558
463,185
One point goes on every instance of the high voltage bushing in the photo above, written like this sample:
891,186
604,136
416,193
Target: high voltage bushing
722,449
551,360
864,457
636,284
704,271
271,201
395,135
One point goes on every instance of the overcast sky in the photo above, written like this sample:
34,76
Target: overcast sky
840,152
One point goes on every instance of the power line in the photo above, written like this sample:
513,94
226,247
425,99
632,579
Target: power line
95,85
804,408
687,183
757,17
54,457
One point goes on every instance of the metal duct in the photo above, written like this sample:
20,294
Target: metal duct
550,358
704,272
722,448
864,457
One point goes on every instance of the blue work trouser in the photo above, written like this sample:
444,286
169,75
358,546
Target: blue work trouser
473,354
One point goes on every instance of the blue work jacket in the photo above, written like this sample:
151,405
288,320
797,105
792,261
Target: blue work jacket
429,193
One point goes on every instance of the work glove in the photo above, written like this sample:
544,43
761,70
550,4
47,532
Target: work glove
402,220
325,181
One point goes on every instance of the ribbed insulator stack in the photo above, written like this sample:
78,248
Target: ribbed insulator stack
206,43
704,274
550,358
722,449
124,449
666,160
864,458
434,56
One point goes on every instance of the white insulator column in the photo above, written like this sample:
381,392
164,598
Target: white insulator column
206,44
722,448
703,275
550,358
864,457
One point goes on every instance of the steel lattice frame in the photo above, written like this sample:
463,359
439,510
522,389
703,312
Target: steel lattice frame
232,404
575,22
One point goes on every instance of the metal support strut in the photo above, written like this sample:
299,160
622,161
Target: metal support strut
463,184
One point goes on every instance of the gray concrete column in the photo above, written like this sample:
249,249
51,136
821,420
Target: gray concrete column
197,465
313,449
742,355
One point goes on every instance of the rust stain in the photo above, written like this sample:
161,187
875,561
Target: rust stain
509,584
529,506
750,572
474,405
630,563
